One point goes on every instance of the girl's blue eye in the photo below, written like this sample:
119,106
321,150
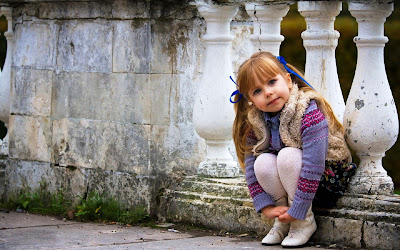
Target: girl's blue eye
272,82
255,92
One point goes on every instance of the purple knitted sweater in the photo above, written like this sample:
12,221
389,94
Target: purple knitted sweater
314,131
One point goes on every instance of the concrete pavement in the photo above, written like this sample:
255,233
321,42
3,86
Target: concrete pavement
29,231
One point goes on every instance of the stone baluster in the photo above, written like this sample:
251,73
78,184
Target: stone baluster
371,119
5,78
267,25
213,114
320,40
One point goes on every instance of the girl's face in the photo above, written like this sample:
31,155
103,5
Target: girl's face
271,94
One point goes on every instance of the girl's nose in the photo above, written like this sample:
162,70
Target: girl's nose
267,91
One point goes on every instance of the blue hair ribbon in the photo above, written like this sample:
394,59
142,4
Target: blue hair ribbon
236,92
282,60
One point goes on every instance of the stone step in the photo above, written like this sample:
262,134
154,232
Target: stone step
216,189
375,208
218,203
358,221
238,181
357,229
372,203
219,214
365,215
235,201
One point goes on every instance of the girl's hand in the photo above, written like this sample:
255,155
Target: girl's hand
286,218
271,211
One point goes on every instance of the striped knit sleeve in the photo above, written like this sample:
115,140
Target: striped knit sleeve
260,198
314,131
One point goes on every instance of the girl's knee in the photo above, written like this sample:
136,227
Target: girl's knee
290,158
265,164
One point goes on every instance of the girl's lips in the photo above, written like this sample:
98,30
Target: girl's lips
273,101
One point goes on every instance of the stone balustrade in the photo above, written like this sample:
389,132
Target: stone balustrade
370,116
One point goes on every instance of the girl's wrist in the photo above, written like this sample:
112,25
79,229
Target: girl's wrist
267,208
266,211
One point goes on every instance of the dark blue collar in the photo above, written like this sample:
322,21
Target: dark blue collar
272,122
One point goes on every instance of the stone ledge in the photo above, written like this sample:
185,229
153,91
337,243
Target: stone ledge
217,203
217,215
358,221
216,189
373,203
239,181
359,215
213,198
339,231
345,232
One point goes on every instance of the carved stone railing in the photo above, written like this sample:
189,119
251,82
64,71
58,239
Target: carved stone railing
5,78
213,114
267,26
320,41
370,117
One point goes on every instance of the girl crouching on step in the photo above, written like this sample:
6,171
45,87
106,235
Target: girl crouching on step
290,144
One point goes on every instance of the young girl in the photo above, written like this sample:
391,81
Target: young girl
287,138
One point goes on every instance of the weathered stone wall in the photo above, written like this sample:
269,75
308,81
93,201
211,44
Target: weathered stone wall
3,165
103,93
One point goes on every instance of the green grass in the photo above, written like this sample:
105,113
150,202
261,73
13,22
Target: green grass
41,202
94,207
397,191
97,208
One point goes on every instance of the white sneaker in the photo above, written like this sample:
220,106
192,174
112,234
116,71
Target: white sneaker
277,233
300,231
279,230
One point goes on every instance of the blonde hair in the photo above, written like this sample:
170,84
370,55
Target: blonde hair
258,66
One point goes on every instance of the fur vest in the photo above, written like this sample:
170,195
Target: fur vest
290,126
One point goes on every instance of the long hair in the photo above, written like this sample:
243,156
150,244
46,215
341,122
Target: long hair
261,65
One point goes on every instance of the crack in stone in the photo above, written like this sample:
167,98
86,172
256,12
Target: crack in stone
258,37
49,225
362,242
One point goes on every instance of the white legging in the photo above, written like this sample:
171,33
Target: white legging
279,174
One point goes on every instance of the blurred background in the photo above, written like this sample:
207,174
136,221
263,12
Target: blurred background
346,55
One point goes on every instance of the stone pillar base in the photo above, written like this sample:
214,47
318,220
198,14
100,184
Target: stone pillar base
228,169
381,185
